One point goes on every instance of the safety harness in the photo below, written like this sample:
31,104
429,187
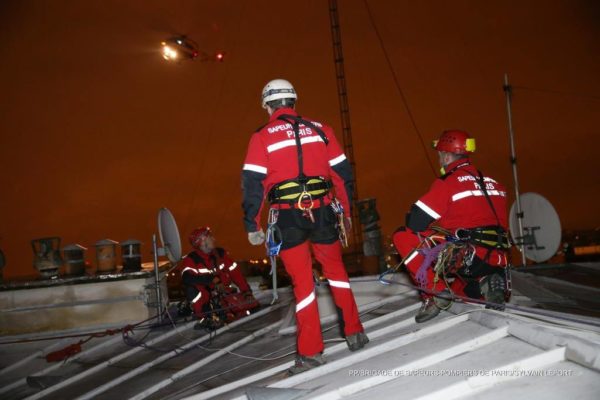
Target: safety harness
492,237
458,248
289,190
302,189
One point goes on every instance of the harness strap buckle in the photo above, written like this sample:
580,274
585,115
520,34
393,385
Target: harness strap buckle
462,234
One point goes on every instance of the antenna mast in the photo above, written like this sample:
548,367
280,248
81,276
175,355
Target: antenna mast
338,60
513,160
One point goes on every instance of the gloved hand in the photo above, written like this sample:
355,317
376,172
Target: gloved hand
256,238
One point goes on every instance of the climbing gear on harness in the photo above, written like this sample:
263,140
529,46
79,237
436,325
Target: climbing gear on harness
338,209
306,203
273,247
453,256
273,244
429,254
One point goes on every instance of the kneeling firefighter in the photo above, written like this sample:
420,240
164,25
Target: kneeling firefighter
294,163
465,214
209,271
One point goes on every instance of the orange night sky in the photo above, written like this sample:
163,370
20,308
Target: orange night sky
98,131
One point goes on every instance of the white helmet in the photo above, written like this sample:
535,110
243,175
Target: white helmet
277,89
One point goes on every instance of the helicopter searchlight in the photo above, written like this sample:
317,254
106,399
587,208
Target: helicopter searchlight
179,48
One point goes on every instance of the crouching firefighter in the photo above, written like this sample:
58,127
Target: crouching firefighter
295,163
455,240
208,272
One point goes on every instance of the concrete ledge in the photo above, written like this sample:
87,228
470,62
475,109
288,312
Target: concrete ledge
80,303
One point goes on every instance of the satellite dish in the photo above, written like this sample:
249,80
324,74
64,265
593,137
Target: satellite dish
169,235
541,227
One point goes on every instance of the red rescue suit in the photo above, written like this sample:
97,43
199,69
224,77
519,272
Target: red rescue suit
273,157
198,274
455,201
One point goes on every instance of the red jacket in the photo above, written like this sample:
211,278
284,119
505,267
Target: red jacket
455,200
217,263
272,158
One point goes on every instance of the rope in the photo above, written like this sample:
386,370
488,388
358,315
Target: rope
97,334
402,96
212,349
429,256
72,349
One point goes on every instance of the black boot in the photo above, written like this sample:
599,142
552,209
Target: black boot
304,363
492,288
357,341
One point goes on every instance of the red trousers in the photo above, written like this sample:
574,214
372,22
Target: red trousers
199,296
297,262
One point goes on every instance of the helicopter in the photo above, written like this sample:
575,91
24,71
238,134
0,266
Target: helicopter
181,47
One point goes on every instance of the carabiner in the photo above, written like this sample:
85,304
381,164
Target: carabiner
303,199
273,247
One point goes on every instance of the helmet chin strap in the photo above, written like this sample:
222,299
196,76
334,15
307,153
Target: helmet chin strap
443,163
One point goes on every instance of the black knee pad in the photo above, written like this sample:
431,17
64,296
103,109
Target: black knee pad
191,292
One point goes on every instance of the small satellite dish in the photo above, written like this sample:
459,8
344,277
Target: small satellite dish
541,227
169,235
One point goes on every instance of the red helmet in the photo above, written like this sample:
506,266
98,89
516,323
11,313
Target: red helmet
457,142
198,235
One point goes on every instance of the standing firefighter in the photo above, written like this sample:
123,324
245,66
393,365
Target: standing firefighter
294,163
464,216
